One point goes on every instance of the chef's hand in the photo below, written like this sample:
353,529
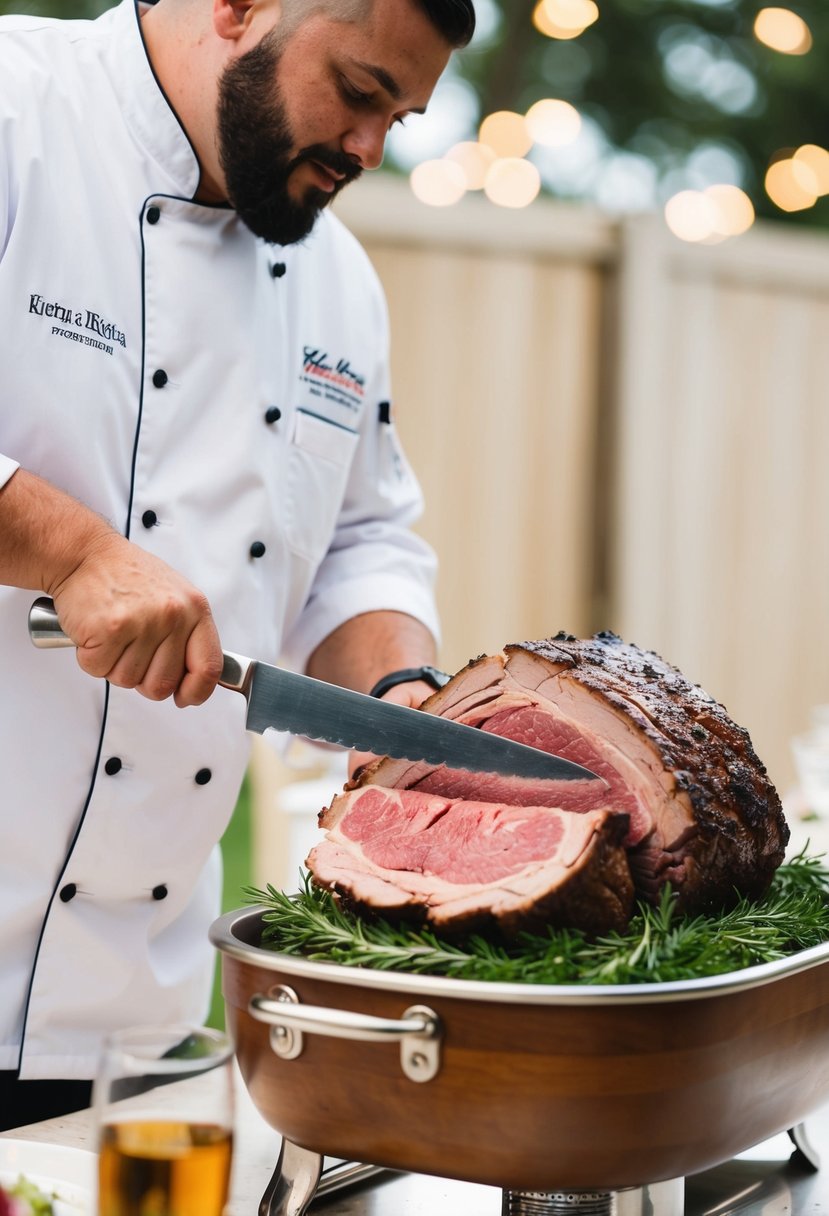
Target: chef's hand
412,695
134,620
139,624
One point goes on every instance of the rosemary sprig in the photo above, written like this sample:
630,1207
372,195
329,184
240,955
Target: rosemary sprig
657,946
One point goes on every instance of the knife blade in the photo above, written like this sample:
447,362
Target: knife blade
284,700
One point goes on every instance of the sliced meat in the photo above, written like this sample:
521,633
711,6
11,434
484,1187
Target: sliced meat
461,865
703,815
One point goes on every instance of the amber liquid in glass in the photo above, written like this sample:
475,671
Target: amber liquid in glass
158,1168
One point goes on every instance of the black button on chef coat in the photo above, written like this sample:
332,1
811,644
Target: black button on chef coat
273,413
160,378
68,892
153,214
112,766
203,776
160,892
257,549
149,519
278,269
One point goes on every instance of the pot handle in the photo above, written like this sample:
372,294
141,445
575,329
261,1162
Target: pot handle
418,1032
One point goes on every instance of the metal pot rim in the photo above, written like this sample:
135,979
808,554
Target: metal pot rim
232,934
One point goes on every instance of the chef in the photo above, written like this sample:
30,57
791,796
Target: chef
198,451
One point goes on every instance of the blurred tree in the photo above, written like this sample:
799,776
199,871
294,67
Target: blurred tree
665,79
683,87
56,8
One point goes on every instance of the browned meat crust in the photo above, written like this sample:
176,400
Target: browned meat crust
740,830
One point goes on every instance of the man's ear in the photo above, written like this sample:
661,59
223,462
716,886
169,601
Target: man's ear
230,17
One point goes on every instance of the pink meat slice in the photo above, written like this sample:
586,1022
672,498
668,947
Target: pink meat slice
464,864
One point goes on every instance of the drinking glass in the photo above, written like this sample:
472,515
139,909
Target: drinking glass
820,719
163,1100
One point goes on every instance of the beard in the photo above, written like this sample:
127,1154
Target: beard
255,151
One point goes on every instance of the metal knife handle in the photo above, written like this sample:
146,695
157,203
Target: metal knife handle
44,626
46,633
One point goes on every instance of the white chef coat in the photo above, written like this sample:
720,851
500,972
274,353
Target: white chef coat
225,404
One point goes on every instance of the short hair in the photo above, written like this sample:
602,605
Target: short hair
455,19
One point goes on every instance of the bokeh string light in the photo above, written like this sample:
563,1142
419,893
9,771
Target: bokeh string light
817,160
506,134
496,162
475,160
783,31
791,185
512,182
439,183
711,215
564,19
553,124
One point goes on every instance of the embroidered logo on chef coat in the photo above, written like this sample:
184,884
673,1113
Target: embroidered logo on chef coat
333,379
81,325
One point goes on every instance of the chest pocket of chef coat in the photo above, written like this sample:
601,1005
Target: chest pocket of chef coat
319,461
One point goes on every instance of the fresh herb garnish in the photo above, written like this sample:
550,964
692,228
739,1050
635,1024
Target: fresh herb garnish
658,946
25,1198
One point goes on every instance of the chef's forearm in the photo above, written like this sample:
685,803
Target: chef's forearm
45,533
367,647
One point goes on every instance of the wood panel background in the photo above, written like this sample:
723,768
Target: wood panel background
720,523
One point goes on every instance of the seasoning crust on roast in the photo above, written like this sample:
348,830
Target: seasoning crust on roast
696,804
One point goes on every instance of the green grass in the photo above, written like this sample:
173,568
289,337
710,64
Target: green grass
236,856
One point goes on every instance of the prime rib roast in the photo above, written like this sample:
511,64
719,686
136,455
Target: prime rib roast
467,863
684,801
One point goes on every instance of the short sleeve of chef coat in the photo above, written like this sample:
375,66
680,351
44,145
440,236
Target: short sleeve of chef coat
7,467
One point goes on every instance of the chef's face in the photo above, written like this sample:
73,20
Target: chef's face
301,115
259,155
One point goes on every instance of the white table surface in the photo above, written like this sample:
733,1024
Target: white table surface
255,1154
256,1146
773,1189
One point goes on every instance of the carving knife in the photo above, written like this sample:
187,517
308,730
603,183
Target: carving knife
282,700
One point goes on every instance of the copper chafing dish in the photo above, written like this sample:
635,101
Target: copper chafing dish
550,1088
